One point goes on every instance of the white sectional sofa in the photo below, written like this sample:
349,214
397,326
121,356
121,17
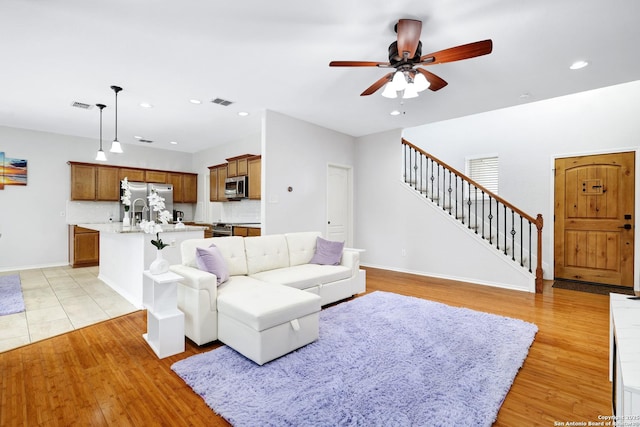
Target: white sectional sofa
269,275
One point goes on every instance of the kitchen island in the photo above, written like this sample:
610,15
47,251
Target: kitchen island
126,252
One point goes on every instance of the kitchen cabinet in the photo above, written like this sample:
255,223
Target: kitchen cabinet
91,182
217,176
190,188
83,182
185,187
238,166
134,175
254,166
177,180
107,184
158,177
246,231
84,247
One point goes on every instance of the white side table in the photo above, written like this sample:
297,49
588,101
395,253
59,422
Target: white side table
165,323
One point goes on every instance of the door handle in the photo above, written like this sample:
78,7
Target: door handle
626,226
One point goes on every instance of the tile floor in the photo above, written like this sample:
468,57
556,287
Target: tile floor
59,300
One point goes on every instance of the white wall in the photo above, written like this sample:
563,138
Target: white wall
529,137
296,154
33,218
403,231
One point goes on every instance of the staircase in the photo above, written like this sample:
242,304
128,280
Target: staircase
500,224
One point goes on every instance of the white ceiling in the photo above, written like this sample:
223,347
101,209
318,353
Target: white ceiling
275,54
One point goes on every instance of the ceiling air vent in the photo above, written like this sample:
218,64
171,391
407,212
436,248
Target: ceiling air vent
222,102
82,105
148,141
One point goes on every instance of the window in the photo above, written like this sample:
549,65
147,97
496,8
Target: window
484,171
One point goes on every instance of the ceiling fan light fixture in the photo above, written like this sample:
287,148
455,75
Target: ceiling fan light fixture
410,91
420,82
399,81
389,91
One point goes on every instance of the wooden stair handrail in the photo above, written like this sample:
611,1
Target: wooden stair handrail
538,221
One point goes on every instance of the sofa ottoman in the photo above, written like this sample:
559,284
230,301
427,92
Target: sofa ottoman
263,321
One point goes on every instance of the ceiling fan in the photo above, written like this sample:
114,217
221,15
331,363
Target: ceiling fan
405,55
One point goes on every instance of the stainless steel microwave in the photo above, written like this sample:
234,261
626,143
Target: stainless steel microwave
235,187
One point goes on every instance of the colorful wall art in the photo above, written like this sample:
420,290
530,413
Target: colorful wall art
12,171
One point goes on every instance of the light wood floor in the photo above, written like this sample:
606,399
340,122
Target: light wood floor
107,375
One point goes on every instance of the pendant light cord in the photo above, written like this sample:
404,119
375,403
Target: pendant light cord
116,89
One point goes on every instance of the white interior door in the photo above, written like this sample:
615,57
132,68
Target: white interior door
339,215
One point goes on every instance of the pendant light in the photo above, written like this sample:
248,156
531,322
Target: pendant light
115,145
101,156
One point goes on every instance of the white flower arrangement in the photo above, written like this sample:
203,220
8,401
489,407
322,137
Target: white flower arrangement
156,204
126,194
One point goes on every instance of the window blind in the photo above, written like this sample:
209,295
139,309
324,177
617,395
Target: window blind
484,171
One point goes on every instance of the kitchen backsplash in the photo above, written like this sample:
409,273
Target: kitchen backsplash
243,211
91,212
102,212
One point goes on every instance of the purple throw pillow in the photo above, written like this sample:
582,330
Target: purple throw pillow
327,252
210,259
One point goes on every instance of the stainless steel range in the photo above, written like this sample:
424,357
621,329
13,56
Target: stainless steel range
222,229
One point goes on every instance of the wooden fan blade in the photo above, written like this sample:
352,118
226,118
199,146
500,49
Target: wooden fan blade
358,64
377,85
408,37
435,82
458,53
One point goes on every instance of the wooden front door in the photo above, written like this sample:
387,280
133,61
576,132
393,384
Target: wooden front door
594,218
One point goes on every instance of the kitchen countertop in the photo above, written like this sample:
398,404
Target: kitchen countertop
117,227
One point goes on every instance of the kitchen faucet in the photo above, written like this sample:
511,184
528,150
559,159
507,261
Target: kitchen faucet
133,208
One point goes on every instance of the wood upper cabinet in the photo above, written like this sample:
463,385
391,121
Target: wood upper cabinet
190,188
213,184
254,165
92,182
238,166
108,184
177,180
185,187
217,176
135,175
83,182
99,182
248,165
158,177
222,176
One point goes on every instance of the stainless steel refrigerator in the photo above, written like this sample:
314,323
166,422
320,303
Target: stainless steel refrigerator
165,191
138,209
140,203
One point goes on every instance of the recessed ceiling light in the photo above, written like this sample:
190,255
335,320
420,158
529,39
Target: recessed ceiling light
173,143
243,113
395,113
137,137
195,101
578,65
146,105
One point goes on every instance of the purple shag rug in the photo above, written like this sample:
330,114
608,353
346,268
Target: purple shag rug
11,300
382,359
